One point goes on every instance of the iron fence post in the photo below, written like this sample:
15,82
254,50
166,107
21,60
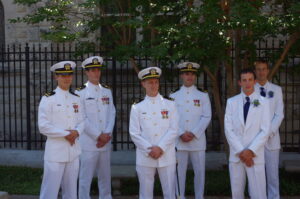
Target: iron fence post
28,117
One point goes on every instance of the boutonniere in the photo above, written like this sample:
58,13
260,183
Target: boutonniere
271,94
256,103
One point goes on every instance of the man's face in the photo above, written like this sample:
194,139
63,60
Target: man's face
261,71
247,83
93,75
151,86
188,78
64,81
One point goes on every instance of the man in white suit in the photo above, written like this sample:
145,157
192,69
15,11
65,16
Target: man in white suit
61,119
96,140
272,148
247,128
153,129
194,112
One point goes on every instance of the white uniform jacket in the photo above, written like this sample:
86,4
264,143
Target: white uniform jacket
100,115
274,95
58,112
154,122
254,134
194,112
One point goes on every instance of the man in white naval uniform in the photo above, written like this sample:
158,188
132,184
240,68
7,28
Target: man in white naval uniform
194,112
96,140
61,119
153,129
247,127
272,148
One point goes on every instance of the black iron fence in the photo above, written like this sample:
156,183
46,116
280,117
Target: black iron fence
25,77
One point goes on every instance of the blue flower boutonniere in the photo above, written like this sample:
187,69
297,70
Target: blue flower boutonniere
271,94
256,103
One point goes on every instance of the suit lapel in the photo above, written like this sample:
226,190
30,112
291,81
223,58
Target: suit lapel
241,109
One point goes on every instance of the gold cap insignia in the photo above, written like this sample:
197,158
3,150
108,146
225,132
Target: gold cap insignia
153,71
67,66
95,61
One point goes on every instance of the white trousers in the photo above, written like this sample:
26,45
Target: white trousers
272,174
256,179
146,178
56,174
91,162
198,162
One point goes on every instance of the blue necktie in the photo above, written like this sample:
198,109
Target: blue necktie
262,91
246,108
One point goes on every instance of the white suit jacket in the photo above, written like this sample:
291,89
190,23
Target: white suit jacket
194,112
254,134
58,112
154,122
100,115
274,95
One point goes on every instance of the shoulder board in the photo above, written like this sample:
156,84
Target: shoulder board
105,86
169,98
136,101
173,91
81,88
73,93
202,90
48,94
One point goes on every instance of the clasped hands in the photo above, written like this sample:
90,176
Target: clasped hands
72,136
103,139
187,136
155,152
246,156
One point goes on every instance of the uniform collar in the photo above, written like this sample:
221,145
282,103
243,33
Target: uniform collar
93,86
59,90
157,97
184,88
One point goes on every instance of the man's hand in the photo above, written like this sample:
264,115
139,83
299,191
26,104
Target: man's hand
155,152
246,157
72,136
103,139
187,136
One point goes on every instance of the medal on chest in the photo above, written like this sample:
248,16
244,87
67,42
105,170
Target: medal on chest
196,102
75,106
105,100
164,114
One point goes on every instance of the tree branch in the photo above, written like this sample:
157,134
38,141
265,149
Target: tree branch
293,38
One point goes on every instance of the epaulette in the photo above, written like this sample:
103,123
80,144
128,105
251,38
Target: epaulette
81,88
48,94
177,89
169,98
73,93
202,90
105,86
136,101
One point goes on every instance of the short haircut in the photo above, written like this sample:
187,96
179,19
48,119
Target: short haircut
245,71
261,61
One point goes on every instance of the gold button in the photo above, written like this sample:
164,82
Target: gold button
155,124
187,101
187,92
98,110
67,106
155,135
187,120
100,120
153,113
187,111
